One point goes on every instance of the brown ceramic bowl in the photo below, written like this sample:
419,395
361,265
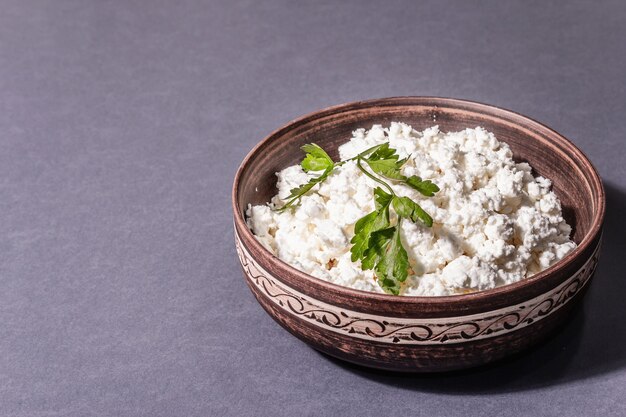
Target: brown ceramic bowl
422,333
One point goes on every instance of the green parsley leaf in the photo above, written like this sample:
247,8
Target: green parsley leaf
383,152
384,161
425,187
362,233
365,226
379,241
409,209
392,268
316,158
381,198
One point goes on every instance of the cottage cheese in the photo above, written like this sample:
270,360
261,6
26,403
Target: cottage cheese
494,223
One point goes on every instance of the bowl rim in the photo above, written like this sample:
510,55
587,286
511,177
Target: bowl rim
595,228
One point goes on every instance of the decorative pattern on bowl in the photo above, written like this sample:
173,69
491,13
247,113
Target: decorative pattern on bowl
412,331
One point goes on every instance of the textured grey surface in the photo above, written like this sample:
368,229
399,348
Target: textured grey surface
121,126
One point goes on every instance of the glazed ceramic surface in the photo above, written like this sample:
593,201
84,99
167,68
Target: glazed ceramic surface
422,333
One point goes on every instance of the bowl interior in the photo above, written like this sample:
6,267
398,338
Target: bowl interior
548,153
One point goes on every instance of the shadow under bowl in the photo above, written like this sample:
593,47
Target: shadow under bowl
421,334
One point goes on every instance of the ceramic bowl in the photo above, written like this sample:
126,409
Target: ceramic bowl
422,333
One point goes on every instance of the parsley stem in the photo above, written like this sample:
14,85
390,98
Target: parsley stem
358,164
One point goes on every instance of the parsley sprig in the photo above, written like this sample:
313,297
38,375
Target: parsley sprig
376,242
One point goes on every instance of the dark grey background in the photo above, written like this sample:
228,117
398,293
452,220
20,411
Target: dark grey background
121,126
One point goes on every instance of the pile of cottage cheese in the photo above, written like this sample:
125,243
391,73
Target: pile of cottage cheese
494,223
